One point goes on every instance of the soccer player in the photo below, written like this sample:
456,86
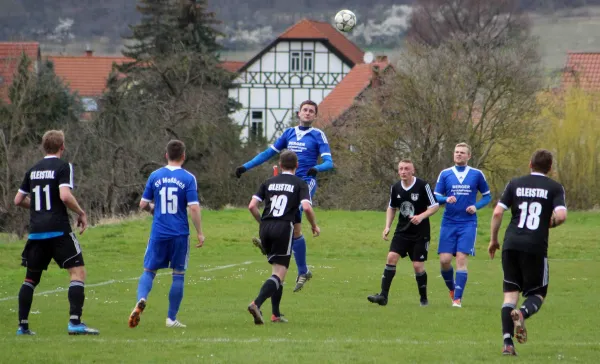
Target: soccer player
457,188
536,203
172,189
308,143
46,192
282,195
413,197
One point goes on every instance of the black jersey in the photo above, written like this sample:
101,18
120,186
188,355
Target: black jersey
531,199
42,182
282,195
411,201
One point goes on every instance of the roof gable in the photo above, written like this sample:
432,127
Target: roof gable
331,38
342,97
583,69
86,74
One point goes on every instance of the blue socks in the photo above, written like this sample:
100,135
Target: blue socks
448,276
299,249
145,284
175,296
461,282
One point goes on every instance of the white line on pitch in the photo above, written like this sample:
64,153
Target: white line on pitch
112,281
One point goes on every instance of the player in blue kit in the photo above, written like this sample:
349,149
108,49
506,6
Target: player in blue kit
457,187
172,189
308,143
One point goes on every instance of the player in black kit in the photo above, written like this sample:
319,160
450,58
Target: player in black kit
283,195
415,200
46,192
537,203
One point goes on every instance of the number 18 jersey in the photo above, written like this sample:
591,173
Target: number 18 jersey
172,189
532,199
282,195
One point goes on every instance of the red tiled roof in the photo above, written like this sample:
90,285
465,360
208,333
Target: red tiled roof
341,98
86,74
582,69
10,53
311,29
232,66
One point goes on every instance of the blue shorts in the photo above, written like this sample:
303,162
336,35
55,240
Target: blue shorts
168,253
312,188
458,238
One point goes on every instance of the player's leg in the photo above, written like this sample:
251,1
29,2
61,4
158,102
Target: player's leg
154,259
67,254
418,256
397,249
467,235
446,250
280,268
179,252
299,244
535,287
512,283
36,257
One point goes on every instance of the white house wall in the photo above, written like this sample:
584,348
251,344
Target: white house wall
273,87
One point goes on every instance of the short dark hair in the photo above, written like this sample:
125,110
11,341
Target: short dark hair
541,161
288,160
175,150
52,141
312,103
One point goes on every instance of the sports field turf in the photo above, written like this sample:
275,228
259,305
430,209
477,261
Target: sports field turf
330,321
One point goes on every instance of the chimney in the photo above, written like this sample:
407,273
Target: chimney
88,51
382,59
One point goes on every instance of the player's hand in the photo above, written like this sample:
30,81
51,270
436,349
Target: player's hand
472,209
312,172
151,208
416,220
385,233
200,241
451,199
494,245
239,171
82,223
316,231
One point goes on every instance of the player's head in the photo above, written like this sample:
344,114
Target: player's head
406,170
53,142
462,154
175,151
541,161
308,111
288,161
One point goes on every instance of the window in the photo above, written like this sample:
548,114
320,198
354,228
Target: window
256,125
295,62
307,62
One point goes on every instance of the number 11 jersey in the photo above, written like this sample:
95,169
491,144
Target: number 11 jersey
532,199
172,189
282,195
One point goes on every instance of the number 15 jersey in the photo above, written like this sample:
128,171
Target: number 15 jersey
532,199
172,189
282,195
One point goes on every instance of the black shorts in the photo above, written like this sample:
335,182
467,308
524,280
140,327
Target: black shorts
276,237
64,249
415,247
525,272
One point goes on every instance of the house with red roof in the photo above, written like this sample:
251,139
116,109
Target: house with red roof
309,60
582,70
10,54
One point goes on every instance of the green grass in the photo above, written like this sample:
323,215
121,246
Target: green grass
330,320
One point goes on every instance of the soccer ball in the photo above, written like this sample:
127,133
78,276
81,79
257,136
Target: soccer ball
345,20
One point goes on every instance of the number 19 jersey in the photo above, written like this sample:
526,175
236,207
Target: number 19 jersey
172,189
282,195
532,199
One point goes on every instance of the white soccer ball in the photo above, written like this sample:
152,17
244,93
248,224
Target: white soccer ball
345,20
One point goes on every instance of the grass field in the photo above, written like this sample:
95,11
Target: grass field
330,320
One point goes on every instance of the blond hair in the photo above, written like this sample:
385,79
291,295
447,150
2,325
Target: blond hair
463,145
52,141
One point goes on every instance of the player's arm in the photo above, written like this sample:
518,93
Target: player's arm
432,207
264,156
147,196
484,189
390,213
440,191
257,198
196,216
559,216
310,215
506,201
22,196
325,153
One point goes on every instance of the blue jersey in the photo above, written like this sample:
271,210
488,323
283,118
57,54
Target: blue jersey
463,183
172,189
308,144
